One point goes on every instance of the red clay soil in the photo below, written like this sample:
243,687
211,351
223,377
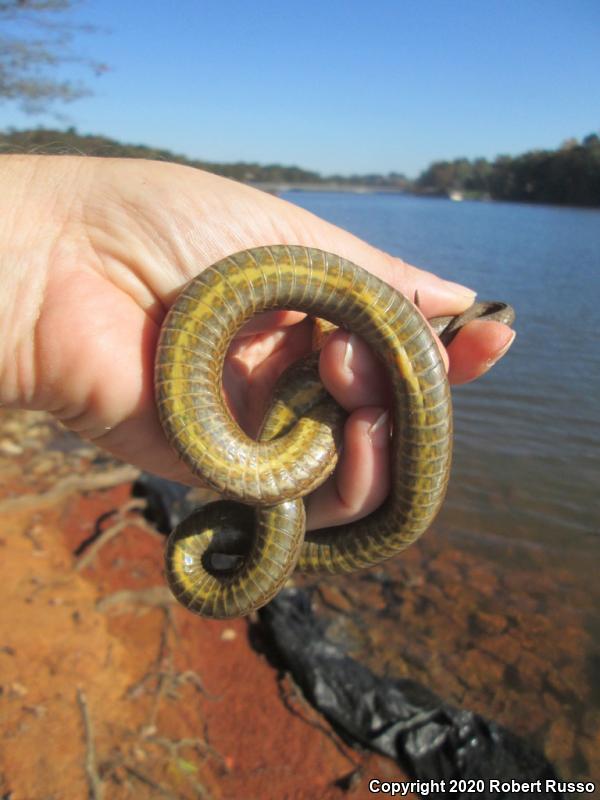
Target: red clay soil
108,689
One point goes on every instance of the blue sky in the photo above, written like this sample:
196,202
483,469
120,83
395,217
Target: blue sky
355,86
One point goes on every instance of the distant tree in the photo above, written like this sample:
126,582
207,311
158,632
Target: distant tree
569,143
592,140
34,42
479,177
439,177
442,177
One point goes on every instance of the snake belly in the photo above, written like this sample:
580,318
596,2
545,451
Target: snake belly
302,435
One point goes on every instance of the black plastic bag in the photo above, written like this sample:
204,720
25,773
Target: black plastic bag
429,739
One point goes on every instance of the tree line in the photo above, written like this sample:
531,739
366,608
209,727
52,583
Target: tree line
569,175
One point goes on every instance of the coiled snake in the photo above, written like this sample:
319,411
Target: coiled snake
227,559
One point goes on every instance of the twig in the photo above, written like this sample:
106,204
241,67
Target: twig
141,776
294,692
93,545
104,537
94,782
69,485
131,505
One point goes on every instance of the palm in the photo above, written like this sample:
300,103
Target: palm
105,343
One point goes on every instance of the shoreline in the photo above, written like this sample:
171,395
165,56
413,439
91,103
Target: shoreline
282,187
279,187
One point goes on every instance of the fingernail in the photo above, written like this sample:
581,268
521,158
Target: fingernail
379,424
503,351
458,288
348,352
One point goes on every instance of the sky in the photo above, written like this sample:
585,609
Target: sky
339,87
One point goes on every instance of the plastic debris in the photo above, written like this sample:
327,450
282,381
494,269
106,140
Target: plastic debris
429,739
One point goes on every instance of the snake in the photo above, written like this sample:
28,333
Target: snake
231,557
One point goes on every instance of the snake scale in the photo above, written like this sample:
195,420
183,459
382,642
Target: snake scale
227,559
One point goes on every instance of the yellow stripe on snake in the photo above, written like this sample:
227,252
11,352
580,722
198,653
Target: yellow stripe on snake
226,559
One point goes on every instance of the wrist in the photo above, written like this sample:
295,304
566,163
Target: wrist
33,215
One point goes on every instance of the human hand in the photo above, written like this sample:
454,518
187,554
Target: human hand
96,250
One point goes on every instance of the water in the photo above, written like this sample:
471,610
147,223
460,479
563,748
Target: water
522,515
529,431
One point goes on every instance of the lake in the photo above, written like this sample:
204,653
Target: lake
524,497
